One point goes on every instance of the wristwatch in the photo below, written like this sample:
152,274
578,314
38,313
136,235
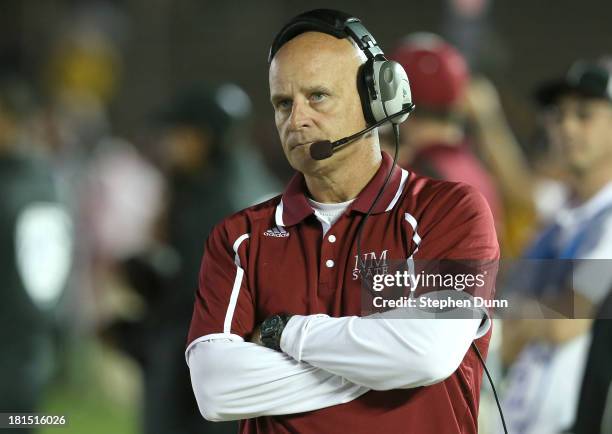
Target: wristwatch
272,329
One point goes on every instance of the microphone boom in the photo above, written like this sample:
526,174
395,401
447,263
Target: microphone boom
325,149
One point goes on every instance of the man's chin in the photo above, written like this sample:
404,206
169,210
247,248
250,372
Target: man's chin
578,167
300,159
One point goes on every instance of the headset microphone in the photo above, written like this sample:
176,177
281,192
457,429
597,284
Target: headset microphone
325,149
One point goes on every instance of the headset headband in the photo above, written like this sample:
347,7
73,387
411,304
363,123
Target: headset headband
335,23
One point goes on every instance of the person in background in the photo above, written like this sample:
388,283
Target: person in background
530,192
35,259
544,381
595,405
210,172
435,142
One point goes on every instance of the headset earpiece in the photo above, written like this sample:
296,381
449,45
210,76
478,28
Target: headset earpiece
392,88
387,89
365,87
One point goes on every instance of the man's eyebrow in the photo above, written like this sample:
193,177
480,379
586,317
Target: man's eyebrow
317,89
277,97
308,90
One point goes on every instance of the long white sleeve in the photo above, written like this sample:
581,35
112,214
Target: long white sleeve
382,353
239,380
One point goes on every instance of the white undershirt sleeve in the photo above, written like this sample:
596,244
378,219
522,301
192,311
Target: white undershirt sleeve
233,380
384,351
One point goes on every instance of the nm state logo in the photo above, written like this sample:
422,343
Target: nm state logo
370,264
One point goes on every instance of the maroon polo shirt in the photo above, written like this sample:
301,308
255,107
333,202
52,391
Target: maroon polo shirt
272,258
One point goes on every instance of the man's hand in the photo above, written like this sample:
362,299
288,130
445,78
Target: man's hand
256,336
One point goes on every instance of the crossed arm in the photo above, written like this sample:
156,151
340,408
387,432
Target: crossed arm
327,361
324,362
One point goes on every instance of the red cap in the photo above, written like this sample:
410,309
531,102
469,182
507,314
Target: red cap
437,72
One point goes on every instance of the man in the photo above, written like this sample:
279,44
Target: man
544,381
325,369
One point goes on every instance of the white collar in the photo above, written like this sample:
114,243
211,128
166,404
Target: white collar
329,206
588,209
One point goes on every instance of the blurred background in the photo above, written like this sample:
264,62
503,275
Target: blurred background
128,128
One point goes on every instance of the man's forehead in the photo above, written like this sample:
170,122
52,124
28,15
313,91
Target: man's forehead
314,45
572,99
314,59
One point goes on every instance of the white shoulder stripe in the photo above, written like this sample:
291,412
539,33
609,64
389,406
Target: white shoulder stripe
399,191
279,214
229,315
413,222
410,219
236,245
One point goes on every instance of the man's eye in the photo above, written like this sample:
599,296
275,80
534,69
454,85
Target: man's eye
284,104
318,96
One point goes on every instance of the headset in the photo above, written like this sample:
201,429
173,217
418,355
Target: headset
382,84
384,91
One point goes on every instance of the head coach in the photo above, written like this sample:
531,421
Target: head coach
276,339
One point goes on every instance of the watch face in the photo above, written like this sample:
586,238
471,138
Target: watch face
271,331
270,325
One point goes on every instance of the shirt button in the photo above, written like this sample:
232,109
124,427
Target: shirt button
332,238
329,263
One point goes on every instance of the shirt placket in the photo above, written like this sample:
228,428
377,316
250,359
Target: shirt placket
329,263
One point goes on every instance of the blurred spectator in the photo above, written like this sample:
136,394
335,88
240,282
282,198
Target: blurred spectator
497,146
210,174
595,404
80,78
35,259
434,142
544,381
86,56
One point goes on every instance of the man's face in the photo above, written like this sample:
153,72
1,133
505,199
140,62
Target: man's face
313,89
185,148
581,130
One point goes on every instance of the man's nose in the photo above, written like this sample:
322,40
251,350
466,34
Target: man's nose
300,115
569,125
